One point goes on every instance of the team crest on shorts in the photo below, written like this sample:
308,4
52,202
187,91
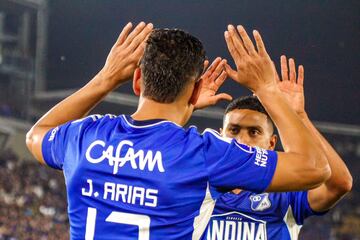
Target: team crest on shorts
260,202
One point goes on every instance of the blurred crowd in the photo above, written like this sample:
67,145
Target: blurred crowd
32,201
33,205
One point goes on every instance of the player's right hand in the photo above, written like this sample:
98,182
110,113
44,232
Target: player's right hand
254,66
126,53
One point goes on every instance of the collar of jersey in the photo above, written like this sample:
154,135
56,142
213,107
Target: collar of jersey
145,123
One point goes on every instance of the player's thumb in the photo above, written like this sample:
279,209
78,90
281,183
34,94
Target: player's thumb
222,96
230,72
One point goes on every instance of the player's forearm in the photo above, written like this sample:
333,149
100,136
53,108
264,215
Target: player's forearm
79,104
295,137
287,122
341,179
73,107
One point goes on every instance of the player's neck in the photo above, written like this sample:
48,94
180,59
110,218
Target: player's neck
174,112
236,191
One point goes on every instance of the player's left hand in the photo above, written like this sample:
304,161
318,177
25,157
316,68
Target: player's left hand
292,87
211,81
253,64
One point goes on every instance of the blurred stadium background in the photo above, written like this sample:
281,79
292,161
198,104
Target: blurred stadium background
50,48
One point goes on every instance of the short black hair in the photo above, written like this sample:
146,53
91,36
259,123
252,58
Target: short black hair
172,58
250,103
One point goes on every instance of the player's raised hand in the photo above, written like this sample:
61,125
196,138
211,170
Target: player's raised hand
292,86
211,81
254,66
126,53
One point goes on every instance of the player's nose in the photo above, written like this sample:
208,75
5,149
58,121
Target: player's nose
243,138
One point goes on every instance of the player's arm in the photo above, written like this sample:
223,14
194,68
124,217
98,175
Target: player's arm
329,193
303,165
120,65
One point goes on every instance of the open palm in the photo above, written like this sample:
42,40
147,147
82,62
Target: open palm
292,87
211,81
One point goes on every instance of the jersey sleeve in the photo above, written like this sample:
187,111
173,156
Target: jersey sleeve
232,165
57,140
301,207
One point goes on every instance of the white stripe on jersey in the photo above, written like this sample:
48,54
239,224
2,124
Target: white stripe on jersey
228,140
216,134
293,227
149,125
94,117
249,150
206,209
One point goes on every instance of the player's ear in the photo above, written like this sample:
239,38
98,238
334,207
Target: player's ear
137,81
273,141
196,92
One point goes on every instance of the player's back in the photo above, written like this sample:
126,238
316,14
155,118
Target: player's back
151,179
121,172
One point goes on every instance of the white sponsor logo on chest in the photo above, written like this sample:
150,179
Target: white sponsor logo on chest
137,159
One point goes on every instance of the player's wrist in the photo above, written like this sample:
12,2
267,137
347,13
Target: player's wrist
107,81
266,90
303,115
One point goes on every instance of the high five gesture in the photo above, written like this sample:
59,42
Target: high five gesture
303,164
329,193
254,66
292,86
211,81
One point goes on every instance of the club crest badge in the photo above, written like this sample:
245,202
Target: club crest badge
260,202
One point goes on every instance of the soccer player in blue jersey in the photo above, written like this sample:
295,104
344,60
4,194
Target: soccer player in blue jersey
146,177
248,215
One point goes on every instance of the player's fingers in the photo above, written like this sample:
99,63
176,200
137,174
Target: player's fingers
139,52
259,44
231,72
292,70
206,76
222,96
284,68
219,68
300,80
141,37
124,33
239,45
231,47
206,64
276,73
221,79
135,32
214,64
205,73
246,40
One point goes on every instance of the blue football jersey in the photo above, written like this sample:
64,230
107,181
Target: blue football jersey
252,216
128,179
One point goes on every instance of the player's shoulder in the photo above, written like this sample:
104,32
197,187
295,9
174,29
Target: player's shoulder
92,122
208,135
214,135
94,118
